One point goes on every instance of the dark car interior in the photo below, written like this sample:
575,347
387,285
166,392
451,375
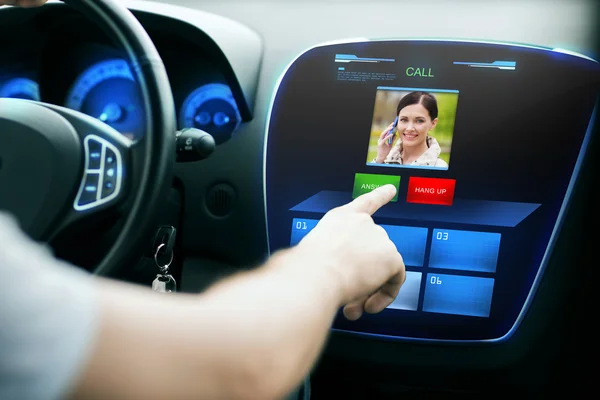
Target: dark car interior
190,135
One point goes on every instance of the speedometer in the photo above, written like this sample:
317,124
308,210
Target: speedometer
108,91
213,109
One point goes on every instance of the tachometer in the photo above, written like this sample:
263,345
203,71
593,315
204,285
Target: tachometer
213,109
20,88
108,91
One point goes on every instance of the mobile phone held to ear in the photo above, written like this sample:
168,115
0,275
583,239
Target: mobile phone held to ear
393,131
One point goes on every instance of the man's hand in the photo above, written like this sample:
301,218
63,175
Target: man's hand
22,3
359,252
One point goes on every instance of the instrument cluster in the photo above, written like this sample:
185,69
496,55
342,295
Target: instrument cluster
96,79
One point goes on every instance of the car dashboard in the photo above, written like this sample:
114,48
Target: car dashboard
498,282
69,63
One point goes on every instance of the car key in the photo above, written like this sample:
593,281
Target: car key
164,282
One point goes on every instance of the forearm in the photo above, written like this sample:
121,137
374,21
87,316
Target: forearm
278,317
255,334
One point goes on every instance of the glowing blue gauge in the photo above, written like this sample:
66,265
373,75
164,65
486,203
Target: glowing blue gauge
20,88
213,109
108,91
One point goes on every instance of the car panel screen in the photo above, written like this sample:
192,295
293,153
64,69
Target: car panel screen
482,142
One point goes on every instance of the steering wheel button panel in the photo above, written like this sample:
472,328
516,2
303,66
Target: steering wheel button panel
108,188
94,158
103,173
89,194
110,157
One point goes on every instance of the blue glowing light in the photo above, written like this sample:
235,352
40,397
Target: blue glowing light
505,65
112,113
221,118
108,91
20,88
211,108
203,118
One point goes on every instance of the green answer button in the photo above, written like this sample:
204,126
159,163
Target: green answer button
365,183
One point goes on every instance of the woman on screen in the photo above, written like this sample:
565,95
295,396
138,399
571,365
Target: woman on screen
417,114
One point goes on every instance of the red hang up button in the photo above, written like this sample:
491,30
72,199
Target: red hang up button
431,191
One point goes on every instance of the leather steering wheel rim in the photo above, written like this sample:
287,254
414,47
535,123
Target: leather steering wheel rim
158,143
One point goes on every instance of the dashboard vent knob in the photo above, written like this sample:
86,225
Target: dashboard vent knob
220,200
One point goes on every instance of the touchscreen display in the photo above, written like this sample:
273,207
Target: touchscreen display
483,142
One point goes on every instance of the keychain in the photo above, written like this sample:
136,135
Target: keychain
164,282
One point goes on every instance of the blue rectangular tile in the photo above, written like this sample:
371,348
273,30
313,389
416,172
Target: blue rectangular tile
410,242
461,295
300,228
408,297
464,250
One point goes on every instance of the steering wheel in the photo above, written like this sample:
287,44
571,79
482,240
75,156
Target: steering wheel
59,166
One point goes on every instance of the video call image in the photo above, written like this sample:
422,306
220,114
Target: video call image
412,128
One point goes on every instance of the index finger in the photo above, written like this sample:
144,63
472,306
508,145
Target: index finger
372,201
